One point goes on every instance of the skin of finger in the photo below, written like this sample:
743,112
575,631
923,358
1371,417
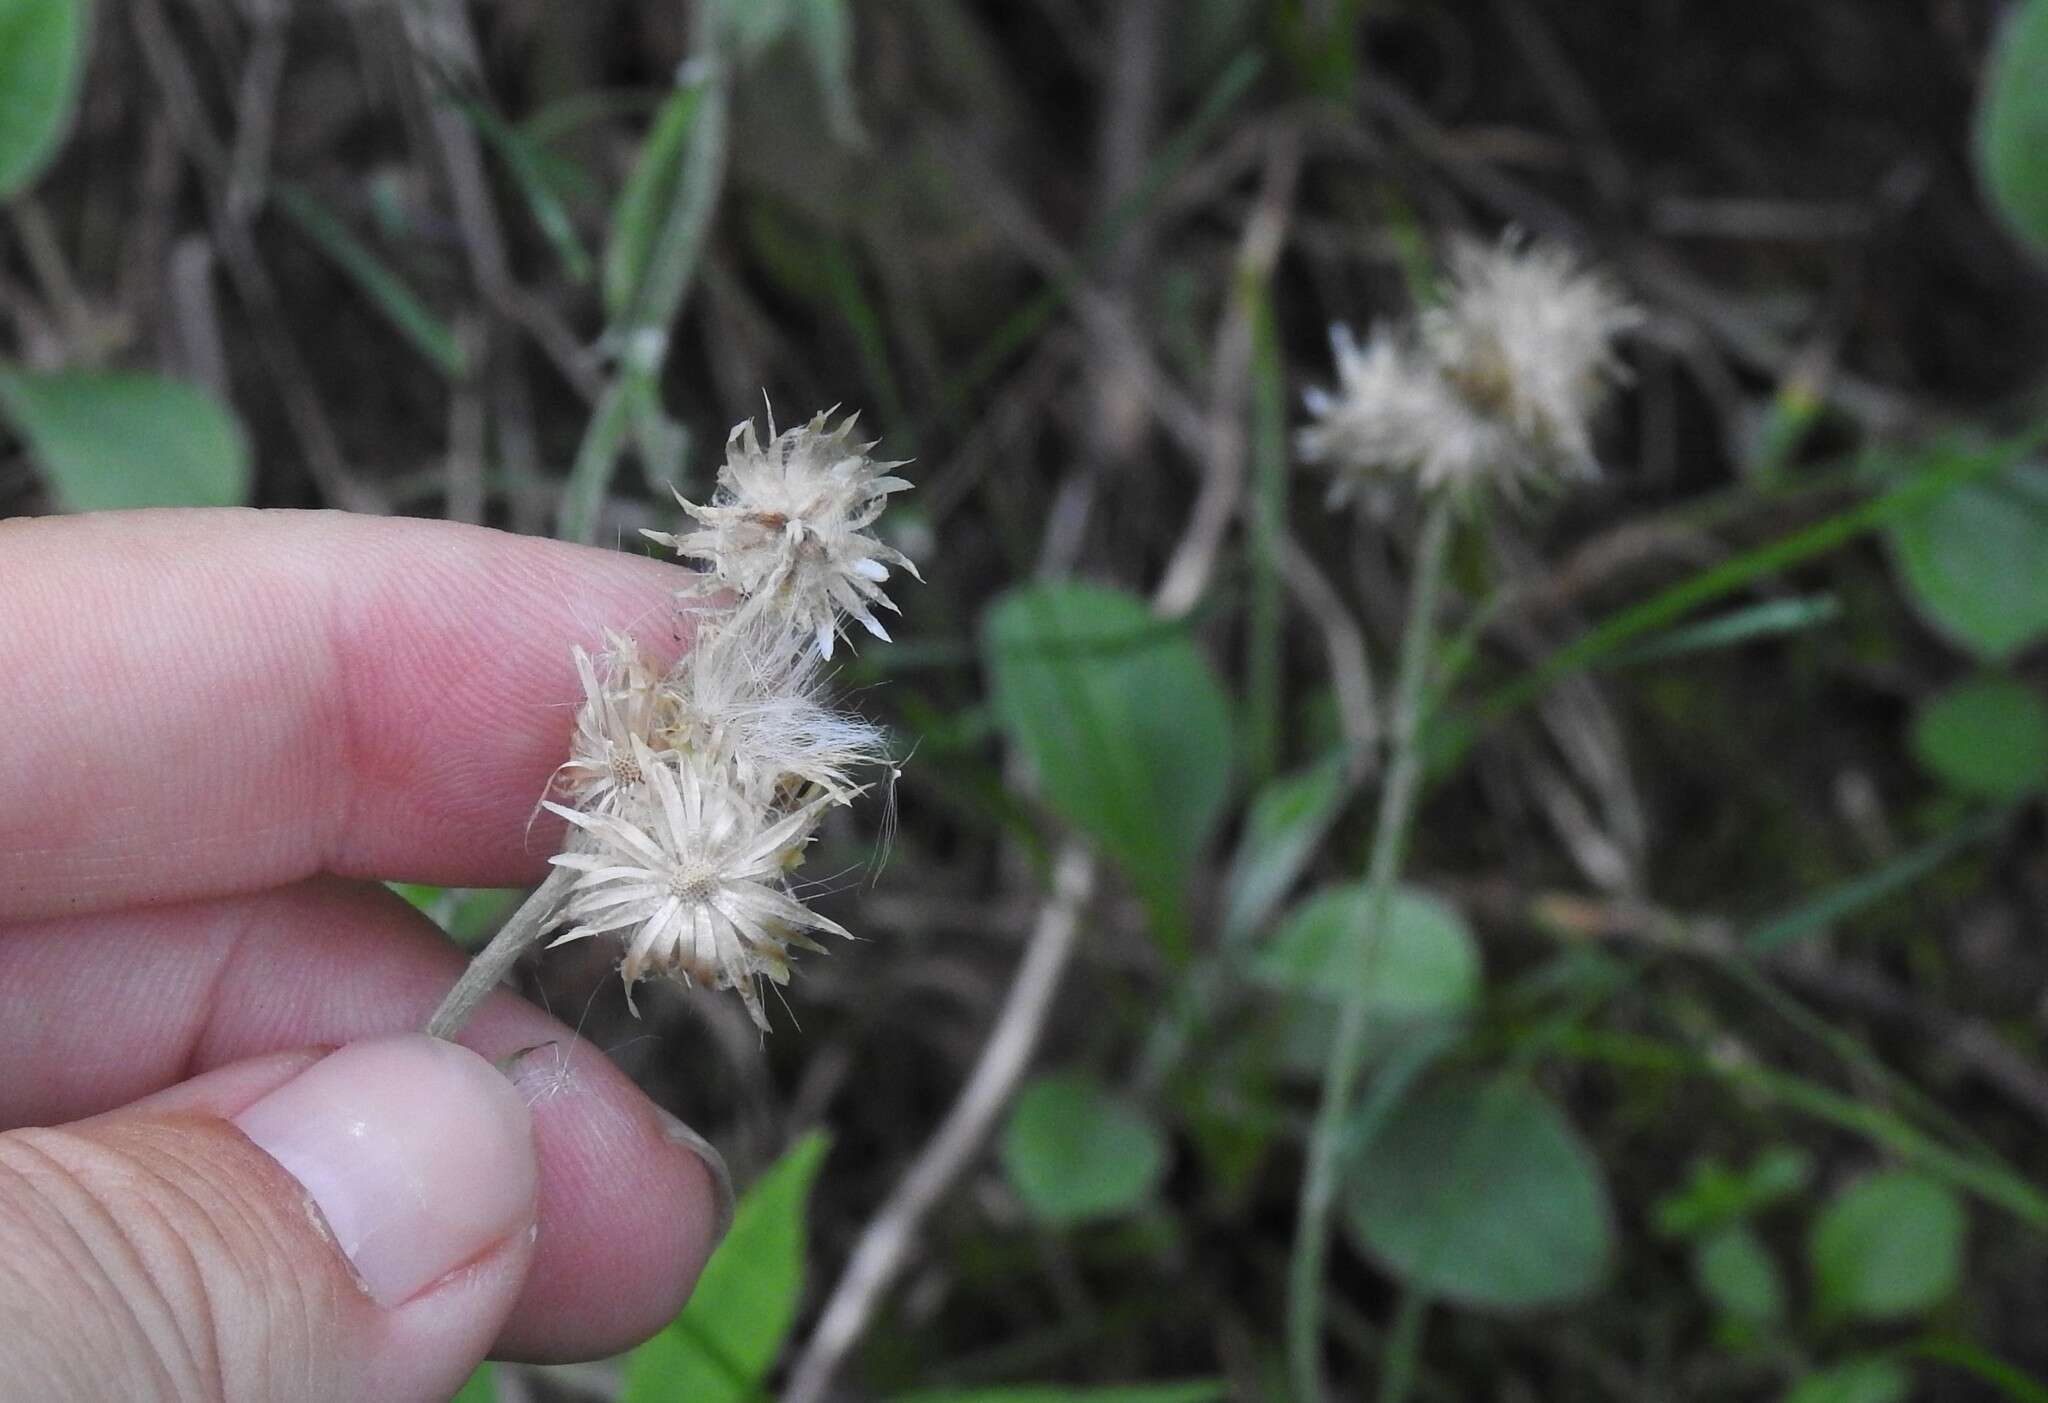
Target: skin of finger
173,993
204,702
140,1231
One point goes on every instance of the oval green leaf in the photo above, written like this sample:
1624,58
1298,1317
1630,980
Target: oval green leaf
1074,1150
1988,736
1889,1246
42,47
1482,1193
1737,1274
1424,964
2012,124
1975,560
1285,826
1121,718
728,1337
109,439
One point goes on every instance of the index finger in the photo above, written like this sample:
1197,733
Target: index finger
201,702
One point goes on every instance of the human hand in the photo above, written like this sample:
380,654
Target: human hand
222,731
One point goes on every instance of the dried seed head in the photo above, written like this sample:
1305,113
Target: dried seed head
694,792
1495,387
693,881
786,530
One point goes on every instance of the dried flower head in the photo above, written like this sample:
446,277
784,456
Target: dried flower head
1496,386
1394,413
694,791
623,706
786,530
694,880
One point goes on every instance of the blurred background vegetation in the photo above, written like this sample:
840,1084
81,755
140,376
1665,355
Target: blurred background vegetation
1707,1031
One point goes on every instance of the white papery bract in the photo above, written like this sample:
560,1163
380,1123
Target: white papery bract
624,704
693,881
786,530
1497,387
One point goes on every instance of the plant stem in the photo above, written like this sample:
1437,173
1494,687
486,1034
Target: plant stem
1340,1072
525,926
1404,1346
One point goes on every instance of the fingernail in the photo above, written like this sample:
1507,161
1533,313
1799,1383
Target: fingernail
721,1177
416,1151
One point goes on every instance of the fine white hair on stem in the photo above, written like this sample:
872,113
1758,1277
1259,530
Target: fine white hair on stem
1495,387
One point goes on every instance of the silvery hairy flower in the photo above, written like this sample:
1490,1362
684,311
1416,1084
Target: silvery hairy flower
693,879
1498,385
693,790
786,529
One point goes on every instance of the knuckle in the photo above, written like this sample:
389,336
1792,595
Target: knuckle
142,1265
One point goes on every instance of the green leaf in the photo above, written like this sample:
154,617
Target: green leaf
1987,736
481,1388
1481,1192
1738,1275
1424,964
527,164
826,29
418,323
1192,1391
2007,1379
1859,893
1767,619
1889,1246
1288,819
1976,559
42,49
2012,124
1716,1196
1858,1381
726,1340
1073,1151
643,207
110,439
1121,717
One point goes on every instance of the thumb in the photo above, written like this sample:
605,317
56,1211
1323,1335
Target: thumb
354,1228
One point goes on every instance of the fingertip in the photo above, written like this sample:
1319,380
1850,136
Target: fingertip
629,1216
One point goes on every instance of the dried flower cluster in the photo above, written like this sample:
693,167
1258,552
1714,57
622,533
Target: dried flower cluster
693,791
1496,386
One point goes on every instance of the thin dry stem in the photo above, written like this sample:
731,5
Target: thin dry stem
527,925
886,1243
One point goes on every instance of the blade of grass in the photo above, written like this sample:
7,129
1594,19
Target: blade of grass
2010,1380
1265,699
526,164
1769,619
1860,893
1994,1183
657,242
427,333
1027,321
1666,608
